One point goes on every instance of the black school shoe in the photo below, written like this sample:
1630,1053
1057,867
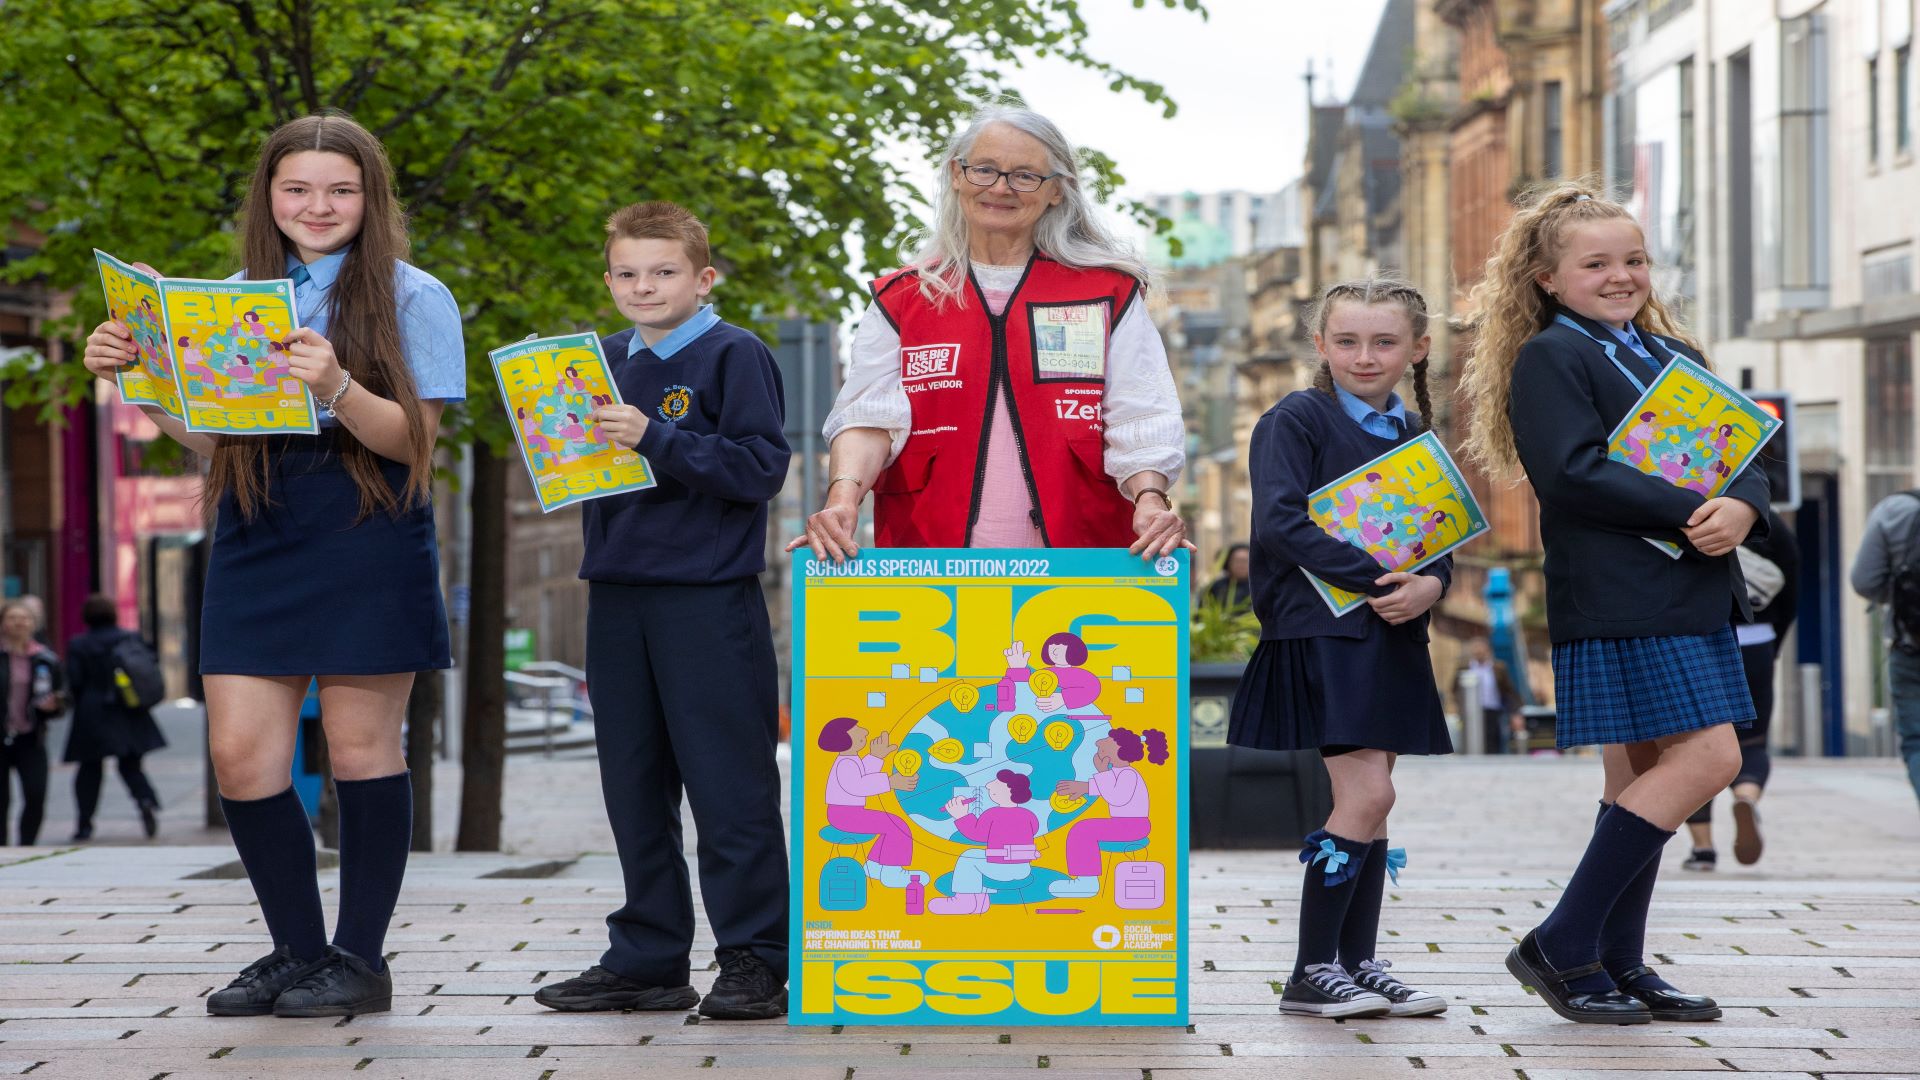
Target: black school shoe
599,990
1327,990
254,990
342,985
1529,965
1666,1004
747,989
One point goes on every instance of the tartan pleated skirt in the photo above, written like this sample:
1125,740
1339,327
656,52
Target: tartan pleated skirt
1625,690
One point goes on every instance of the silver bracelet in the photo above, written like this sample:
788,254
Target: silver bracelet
346,380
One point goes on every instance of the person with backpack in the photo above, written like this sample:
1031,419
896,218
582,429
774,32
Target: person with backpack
1886,570
116,682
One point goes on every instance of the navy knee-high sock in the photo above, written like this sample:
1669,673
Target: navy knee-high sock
1622,843
1325,897
275,842
1623,939
1360,933
376,828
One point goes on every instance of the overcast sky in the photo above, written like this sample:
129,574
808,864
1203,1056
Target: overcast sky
1236,77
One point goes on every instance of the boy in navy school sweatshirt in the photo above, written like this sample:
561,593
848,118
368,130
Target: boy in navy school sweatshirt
680,663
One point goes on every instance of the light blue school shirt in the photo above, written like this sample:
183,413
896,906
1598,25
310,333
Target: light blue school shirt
1630,337
430,329
678,338
1387,425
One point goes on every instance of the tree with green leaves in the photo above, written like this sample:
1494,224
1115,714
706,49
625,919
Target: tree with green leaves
514,129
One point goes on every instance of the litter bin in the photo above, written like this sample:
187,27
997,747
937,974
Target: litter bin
1241,798
1540,725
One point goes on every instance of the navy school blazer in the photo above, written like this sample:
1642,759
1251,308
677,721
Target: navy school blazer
1300,445
1603,579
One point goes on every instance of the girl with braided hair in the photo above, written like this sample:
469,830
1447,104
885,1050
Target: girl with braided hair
1357,688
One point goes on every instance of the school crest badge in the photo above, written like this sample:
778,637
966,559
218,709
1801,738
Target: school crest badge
676,402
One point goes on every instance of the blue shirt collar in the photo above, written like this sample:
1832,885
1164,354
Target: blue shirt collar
322,271
1630,337
1361,412
679,338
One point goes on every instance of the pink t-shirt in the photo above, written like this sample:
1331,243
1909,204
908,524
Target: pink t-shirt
1125,793
19,690
1006,506
852,780
1007,832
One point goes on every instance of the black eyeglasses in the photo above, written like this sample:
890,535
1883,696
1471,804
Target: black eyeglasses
1018,179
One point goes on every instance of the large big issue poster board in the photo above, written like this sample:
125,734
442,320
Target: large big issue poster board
990,788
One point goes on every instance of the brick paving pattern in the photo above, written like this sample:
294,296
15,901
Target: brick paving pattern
106,952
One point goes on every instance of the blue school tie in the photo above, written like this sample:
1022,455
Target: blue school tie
299,275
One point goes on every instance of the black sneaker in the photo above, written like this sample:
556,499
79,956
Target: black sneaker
1327,990
599,990
342,985
253,991
1405,999
1701,859
150,818
747,989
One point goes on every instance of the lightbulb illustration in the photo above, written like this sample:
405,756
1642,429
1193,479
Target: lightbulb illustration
1044,683
947,750
964,697
1066,804
906,762
1059,734
1022,728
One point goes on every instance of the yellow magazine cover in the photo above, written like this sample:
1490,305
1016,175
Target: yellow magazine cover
1406,508
133,299
990,788
228,342
551,386
1692,429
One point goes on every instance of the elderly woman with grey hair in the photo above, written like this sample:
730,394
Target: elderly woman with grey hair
1007,388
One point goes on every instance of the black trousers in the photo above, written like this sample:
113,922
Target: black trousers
685,698
27,756
86,784
1756,761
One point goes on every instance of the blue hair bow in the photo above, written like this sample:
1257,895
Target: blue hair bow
1333,855
1396,862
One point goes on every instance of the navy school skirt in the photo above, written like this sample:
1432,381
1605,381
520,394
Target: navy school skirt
303,590
1375,692
1626,690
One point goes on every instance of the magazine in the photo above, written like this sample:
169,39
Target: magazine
213,354
550,387
1406,508
1692,429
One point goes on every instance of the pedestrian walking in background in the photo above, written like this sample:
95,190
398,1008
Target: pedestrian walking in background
1645,663
1234,588
111,719
1496,700
1771,565
32,686
1886,570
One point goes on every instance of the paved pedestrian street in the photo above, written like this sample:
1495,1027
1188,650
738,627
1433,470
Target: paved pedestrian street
106,953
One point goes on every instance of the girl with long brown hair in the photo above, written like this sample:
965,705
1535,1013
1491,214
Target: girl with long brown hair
1645,663
324,561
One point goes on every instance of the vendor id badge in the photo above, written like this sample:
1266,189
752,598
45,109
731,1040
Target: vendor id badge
1069,341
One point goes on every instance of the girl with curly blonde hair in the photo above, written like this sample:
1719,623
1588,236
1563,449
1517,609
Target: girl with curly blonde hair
1570,334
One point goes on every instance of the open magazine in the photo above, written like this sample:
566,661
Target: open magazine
212,354
1406,508
551,386
1692,429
